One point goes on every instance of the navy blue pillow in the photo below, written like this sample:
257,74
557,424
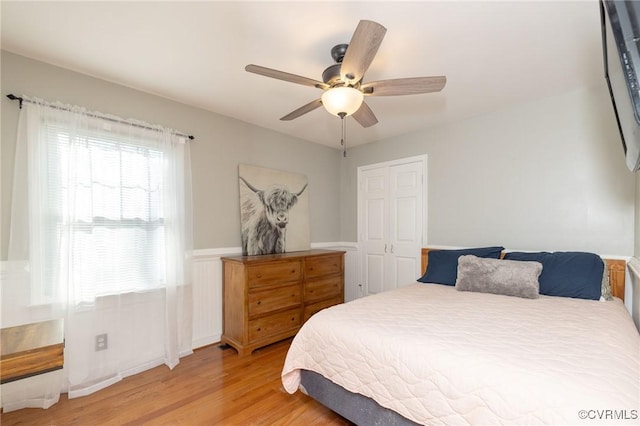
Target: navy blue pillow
442,265
567,274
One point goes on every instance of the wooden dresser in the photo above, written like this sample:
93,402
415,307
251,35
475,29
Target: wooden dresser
267,298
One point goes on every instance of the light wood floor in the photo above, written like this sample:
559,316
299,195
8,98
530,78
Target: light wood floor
213,386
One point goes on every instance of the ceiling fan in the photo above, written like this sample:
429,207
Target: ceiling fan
344,90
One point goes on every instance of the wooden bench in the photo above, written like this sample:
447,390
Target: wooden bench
31,349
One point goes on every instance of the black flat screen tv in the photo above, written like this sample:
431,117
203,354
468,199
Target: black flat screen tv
621,48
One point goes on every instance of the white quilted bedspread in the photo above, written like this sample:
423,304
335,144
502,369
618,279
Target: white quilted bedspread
440,356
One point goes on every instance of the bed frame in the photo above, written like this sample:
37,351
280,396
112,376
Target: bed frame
615,267
354,407
362,410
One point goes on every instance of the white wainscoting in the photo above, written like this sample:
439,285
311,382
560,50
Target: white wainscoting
207,287
207,298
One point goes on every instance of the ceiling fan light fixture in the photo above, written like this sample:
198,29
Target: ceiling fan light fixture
342,101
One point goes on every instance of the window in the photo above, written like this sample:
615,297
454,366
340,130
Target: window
104,209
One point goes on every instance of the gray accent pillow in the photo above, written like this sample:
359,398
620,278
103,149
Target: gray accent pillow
507,277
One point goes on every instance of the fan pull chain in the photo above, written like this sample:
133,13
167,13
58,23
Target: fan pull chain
343,140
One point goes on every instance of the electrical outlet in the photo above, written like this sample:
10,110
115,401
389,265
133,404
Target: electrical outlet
102,342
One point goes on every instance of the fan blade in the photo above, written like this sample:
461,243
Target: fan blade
281,75
404,86
362,49
302,110
365,116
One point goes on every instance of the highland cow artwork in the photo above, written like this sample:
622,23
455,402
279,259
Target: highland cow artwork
274,211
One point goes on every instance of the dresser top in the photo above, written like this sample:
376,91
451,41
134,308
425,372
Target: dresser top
282,256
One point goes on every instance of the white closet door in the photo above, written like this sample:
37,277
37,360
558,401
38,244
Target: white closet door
374,233
391,221
405,223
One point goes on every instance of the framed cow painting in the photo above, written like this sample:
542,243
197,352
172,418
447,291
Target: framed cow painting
274,210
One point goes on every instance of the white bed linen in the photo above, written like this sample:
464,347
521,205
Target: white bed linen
439,356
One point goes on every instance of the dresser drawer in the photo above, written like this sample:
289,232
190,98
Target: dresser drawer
324,265
265,301
322,288
311,309
265,327
273,273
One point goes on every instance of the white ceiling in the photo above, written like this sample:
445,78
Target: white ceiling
494,54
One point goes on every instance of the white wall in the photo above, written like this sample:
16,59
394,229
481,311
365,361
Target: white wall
547,175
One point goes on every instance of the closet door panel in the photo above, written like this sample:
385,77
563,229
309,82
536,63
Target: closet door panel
406,192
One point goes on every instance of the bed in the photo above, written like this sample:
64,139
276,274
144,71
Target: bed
428,353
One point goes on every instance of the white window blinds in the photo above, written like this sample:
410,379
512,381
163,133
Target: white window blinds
105,197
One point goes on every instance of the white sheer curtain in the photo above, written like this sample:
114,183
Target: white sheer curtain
101,236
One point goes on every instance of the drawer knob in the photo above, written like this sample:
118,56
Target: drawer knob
259,329
293,318
259,302
259,275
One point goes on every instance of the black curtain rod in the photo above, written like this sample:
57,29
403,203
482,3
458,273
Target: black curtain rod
21,100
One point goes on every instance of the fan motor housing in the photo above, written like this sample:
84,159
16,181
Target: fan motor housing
332,74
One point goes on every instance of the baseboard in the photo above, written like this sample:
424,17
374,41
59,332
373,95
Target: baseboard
206,341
